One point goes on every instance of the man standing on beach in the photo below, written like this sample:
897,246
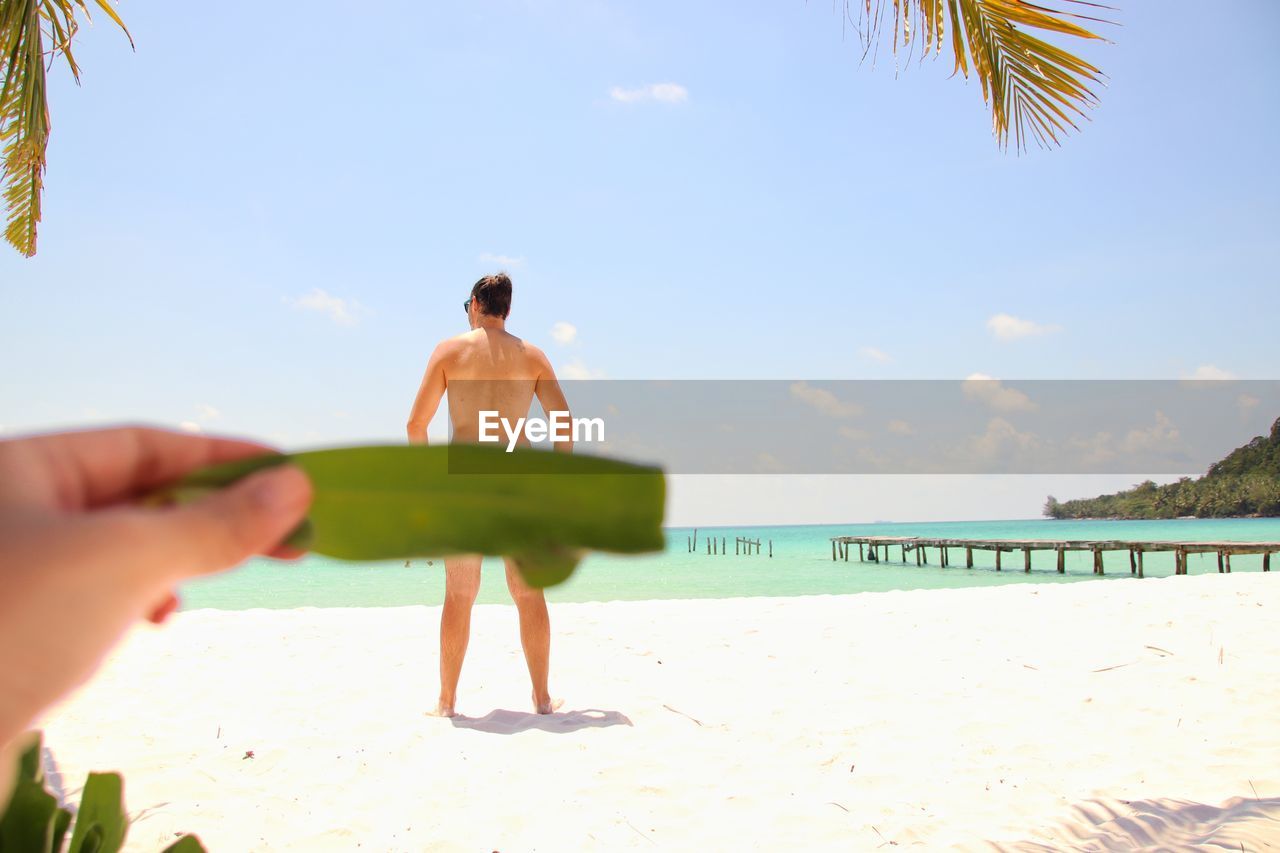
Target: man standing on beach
488,369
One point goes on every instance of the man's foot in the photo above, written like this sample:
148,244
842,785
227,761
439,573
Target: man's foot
547,705
443,709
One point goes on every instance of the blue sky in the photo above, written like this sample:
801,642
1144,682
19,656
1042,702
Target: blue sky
262,220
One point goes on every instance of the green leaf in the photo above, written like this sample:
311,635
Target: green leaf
186,844
30,820
24,108
541,508
101,822
61,822
29,762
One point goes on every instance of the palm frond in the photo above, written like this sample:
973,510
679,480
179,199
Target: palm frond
1036,91
26,27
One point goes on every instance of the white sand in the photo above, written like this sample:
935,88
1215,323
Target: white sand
1103,715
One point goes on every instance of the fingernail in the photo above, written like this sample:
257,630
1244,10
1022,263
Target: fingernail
282,489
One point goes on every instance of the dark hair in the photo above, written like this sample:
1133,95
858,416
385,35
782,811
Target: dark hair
493,293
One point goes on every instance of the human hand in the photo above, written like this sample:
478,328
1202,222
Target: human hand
81,561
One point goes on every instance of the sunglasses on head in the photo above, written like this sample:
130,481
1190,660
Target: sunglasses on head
466,306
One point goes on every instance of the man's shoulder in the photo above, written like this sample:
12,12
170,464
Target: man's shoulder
456,343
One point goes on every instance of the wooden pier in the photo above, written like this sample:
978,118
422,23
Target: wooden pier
876,549
742,545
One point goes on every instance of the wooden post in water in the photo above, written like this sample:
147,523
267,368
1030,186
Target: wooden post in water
1133,563
998,553
917,549
722,547
1266,562
1228,562
770,549
1139,562
1062,561
1097,561
1219,562
968,558
833,550
1026,559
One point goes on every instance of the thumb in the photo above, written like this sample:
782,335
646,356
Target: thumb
251,516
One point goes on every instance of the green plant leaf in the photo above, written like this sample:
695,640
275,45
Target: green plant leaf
542,508
30,819
101,822
186,844
61,822
29,762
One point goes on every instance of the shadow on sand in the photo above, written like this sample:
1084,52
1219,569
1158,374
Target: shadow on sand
501,722
1240,823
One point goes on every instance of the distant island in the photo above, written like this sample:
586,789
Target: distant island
1244,484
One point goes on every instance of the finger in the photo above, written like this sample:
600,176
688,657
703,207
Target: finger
251,516
163,610
286,552
98,467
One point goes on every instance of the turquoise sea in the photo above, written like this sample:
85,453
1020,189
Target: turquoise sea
801,565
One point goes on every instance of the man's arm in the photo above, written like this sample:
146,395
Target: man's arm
552,398
429,394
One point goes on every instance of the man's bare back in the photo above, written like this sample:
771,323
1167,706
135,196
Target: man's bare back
487,369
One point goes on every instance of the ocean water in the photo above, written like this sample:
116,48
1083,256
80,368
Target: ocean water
801,565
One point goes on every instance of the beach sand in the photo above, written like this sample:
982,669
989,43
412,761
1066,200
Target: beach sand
1100,715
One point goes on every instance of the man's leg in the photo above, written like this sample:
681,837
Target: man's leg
535,636
461,584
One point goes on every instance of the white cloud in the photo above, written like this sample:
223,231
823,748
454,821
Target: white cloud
577,370
824,401
1209,373
767,463
667,93
1001,441
190,426
564,333
854,434
1162,435
1247,402
508,261
901,428
874,354
1007,327
1103,447
986,389
344,312
208,413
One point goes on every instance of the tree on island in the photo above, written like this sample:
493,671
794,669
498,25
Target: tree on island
1244,483
1034,88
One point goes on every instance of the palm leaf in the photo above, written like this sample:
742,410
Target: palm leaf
539,507
32,34
1036,91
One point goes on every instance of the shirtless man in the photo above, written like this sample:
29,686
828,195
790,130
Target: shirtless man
488,369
